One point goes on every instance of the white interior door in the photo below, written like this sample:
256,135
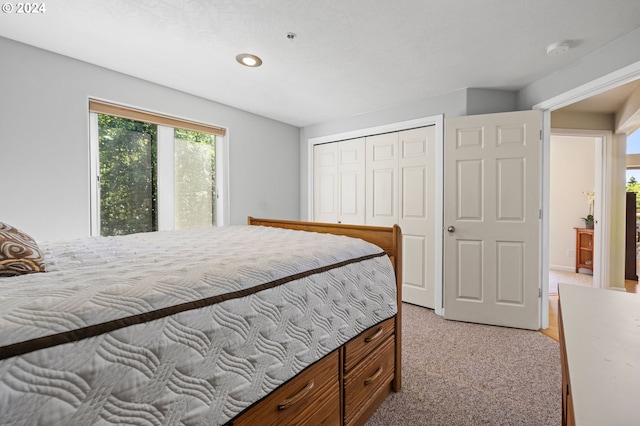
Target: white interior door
417,214
492,219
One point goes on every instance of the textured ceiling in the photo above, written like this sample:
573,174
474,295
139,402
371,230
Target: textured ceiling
349,57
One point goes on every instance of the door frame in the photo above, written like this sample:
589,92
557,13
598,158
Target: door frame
434,120
602,204
584,91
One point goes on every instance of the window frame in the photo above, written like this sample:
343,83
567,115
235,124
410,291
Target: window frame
166,125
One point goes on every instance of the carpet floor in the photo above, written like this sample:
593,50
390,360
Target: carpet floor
556,277
456,373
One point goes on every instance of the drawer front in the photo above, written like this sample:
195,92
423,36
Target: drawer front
329,412
366,342
368,379
299,400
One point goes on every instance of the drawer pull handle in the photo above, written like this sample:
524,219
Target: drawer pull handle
374,377
295,398
374,337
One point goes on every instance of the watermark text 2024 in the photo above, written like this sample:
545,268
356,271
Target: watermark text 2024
24,8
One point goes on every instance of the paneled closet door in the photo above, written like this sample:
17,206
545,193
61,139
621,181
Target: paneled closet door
339,182
382,179
351,181
417,211
325,183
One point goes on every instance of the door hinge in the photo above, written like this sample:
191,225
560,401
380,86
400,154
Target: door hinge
540,293
540,135
539,213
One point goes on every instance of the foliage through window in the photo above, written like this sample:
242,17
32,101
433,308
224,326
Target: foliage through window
132,156
634,186
128,176
195,183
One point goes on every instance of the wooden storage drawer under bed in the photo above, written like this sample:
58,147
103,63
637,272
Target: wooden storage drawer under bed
369,382
366,342
369,362
313,397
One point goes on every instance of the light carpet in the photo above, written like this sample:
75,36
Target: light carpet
457,373
556,277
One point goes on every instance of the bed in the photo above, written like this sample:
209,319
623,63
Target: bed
257,324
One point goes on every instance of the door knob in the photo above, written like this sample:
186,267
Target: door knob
451,229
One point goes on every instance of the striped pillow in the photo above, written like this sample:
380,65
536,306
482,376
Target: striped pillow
19,253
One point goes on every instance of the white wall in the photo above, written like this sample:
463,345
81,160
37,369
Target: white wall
572,171
618,199
44,146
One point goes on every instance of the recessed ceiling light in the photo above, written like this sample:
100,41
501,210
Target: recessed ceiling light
249,60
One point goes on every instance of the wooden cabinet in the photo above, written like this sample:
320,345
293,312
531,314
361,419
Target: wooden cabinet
584,249
344,388
567,402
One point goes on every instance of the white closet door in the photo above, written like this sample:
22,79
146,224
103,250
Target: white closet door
417,211
325,183
382,179
351,178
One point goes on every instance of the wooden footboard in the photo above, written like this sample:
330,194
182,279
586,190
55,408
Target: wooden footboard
370,356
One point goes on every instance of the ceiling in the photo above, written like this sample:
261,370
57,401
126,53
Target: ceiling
606,102
348,57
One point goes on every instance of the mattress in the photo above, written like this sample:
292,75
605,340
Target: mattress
180,327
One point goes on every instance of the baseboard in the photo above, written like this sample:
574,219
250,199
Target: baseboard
562,268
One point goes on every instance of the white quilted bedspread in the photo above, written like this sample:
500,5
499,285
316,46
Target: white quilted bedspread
200,366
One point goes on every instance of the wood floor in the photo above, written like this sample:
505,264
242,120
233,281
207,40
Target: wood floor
552,331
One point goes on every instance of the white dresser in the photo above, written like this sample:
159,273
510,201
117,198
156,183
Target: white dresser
600,351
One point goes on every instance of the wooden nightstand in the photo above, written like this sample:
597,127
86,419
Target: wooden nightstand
584,249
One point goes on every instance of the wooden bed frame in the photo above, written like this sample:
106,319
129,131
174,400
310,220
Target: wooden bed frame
360,362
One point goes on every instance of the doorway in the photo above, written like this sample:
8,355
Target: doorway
571,201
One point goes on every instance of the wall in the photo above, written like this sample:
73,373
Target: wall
44,147
572,171
618,199
628,117
581,120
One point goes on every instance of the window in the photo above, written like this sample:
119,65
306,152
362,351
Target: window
633,165
151,172
195,183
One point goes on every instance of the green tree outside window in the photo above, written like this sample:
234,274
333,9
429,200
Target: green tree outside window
634,186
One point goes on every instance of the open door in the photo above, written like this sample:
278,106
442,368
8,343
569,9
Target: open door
492,219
